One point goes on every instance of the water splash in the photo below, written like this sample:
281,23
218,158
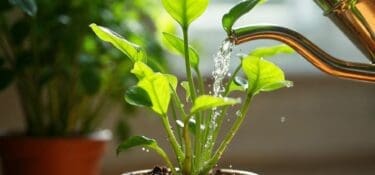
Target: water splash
221,66
220,72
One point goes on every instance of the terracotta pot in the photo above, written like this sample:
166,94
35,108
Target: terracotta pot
217,172
52,156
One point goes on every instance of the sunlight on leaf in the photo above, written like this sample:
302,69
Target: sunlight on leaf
208,102
185,11
141,70
133,51
173,81
157,87
263,75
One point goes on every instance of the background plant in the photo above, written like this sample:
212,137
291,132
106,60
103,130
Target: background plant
195,132
66,83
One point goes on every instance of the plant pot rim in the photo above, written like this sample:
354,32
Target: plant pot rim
99,135
224,171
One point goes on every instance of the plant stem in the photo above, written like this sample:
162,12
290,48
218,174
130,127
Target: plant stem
188,151
166,159
172,139
187,166
174,115
228,138
200,81
187,63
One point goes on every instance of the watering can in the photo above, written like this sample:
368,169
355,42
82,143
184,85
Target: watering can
356,18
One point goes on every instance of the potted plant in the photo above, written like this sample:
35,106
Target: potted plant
193,132
66,84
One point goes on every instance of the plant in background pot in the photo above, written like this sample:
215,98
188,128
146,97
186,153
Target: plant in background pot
65,82
193,132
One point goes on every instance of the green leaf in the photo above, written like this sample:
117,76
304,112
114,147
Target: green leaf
6,77
236,12
138,97
173,81
263,75
185,11
28,6
208,102
141,70
133,51
157,87
178,44
265,52
186,86
137,141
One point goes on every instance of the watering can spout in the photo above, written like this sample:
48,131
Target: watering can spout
356,18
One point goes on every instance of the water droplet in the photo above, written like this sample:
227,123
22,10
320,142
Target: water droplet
147,150
289,84
282,119
230,166
143,148
238,113
203,127
180,123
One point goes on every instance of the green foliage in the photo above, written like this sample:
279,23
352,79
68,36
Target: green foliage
157,87
137,141
141,70
263,75
138,97
185,11
236,12
185,85
145,142
198,124
65,80
178,44
134,52
205,102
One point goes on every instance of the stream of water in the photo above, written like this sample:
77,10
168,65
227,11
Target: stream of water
221,69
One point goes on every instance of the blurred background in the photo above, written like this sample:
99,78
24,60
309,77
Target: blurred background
323,125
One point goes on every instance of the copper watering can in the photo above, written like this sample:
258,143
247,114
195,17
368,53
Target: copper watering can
356,18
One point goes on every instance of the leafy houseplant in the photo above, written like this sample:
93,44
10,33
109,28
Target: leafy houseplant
65,82
194,138
52,58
